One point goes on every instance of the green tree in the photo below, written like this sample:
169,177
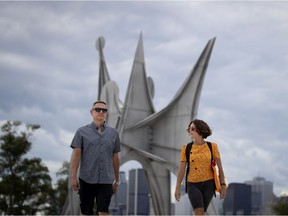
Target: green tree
25,185
281,208
61,191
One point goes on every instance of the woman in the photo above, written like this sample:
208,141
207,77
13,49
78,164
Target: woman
200,181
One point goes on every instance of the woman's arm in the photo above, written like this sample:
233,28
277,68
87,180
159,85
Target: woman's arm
221,178
181,173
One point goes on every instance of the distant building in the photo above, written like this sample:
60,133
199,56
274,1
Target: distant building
119,200
138,193
237,200
262,196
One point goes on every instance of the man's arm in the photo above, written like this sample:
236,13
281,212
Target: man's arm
74,168
116,166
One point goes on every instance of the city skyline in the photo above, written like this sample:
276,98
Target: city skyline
257,184
137,165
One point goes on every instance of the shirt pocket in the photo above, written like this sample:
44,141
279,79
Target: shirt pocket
108,143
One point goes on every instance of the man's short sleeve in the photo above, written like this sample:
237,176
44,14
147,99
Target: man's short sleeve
77,140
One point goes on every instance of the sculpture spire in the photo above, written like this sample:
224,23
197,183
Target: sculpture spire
138,101
103,71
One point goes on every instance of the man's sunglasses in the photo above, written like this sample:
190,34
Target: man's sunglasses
98,110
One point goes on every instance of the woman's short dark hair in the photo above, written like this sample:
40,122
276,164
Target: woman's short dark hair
202,128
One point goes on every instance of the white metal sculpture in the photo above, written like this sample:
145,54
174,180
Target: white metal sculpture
152,138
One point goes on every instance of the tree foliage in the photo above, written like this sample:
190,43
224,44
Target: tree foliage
281,208
25,184
61,191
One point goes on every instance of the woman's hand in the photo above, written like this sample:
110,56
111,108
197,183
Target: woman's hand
223,191
177,193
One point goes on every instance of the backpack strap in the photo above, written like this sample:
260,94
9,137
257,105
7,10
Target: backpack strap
212,159
210,147
187,152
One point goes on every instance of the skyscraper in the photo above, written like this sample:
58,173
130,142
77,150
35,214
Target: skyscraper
262,195
118,201
238,200
138,193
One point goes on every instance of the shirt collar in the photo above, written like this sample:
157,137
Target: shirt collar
96,126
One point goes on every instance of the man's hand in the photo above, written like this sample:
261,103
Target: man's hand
75,183
115,186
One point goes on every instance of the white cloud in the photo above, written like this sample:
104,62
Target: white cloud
49,71
65,137
18,62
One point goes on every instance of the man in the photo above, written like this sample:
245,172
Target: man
95,149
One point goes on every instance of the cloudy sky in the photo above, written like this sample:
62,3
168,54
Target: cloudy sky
49,71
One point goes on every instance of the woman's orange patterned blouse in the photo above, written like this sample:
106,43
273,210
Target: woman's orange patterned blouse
200,161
